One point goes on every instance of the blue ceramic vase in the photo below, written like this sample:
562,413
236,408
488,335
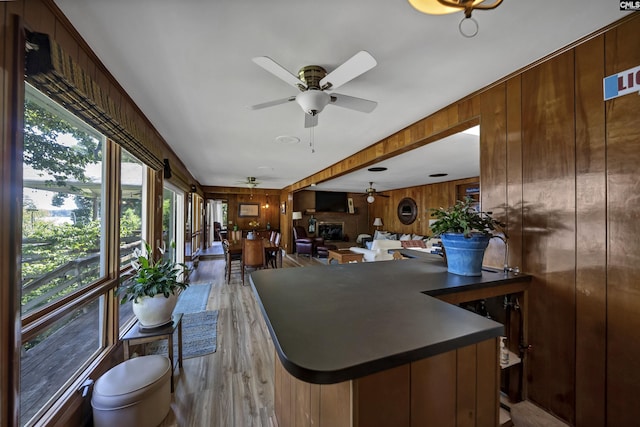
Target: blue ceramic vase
465,254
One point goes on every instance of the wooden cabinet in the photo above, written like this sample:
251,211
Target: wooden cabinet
452,388
506,304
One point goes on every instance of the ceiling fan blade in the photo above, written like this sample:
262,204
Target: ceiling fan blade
358,64
278,70
381,195
353,103
310,121
272,103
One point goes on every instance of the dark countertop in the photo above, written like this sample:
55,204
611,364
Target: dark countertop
343,321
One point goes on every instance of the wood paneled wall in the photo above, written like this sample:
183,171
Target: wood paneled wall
354,224
427,197
560,166
234,196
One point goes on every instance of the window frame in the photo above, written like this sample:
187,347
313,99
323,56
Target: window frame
43,318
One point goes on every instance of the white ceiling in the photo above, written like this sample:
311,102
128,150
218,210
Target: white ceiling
187,64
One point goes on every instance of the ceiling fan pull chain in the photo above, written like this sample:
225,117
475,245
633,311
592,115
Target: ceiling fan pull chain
312,141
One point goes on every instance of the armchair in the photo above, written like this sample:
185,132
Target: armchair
304,244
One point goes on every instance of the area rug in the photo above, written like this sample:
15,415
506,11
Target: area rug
199,336
321,260
193,299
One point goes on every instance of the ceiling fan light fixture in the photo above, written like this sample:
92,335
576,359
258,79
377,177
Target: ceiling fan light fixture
313,101
370,199
443,7
468,27
434,7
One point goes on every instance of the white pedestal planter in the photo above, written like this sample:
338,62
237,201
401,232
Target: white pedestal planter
156,311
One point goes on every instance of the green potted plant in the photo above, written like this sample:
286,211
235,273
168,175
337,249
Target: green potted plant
465,234
153,287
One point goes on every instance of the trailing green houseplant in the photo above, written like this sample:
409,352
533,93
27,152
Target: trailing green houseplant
152,277
465,234
153,286
463,218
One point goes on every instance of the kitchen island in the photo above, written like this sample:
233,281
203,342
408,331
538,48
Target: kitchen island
368,344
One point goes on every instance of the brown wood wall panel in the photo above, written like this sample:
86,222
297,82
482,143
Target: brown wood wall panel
493,153
549,230
487,404
514,171
382,399
278,387
65,40
335,405
302,407
591,233
623,203
433,391
38,17
426,197
466,384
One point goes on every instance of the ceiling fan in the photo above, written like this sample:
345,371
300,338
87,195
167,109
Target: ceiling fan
371,192
250,182
314,82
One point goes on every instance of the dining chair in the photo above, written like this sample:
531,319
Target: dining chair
253,255
272,254
229,258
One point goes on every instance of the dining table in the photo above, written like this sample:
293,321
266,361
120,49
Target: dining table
235,247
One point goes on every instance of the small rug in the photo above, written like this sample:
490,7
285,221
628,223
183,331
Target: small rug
321,260
193,299
199,336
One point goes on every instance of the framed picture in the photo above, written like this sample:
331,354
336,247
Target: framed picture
248,209
283,208
350,205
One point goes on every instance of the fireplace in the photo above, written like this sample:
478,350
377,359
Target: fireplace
331,230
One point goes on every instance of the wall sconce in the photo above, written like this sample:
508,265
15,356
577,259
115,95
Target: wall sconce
266,205
442,7
193,188
377,223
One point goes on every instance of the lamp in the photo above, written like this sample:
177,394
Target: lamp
377,223
296,216
442,7
370,198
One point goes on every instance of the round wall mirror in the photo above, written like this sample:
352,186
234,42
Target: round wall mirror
407,210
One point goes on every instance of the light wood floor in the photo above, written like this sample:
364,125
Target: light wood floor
233,387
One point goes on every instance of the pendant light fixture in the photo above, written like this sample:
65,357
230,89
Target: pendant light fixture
443,7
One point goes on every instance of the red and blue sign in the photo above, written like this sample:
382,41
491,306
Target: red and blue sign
622,83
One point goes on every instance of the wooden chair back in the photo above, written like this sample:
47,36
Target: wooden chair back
253,253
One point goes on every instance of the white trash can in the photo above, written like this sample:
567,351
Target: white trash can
135,393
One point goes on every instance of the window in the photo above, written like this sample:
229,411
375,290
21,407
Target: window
132,194
172,223
63,237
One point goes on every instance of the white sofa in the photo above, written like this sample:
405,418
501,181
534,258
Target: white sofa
379,250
